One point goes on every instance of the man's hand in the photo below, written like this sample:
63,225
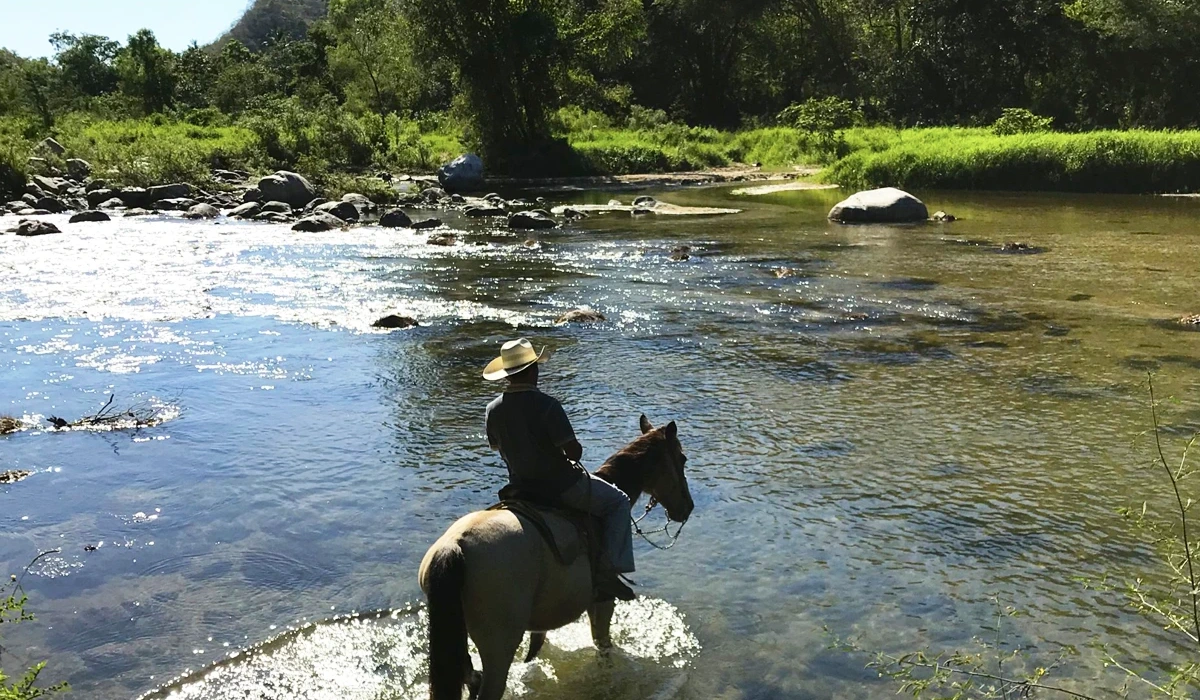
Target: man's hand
573,450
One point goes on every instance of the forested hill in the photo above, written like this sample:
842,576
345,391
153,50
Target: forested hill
265,19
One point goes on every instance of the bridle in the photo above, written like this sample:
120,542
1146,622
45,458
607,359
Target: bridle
665,529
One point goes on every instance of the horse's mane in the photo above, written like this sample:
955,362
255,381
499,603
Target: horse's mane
623,468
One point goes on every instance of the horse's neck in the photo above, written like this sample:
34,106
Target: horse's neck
624,472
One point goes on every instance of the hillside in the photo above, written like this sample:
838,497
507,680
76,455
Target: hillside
265,18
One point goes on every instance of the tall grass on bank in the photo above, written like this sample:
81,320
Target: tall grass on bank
957,158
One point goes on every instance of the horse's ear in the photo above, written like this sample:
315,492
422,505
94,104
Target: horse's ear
645,424
671,430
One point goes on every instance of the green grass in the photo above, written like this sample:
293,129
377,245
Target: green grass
958,158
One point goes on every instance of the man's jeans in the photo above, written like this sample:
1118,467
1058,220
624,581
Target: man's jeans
602,499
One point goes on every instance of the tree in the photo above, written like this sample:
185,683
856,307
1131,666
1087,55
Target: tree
374,47
146,72
86,62
240,80
194,72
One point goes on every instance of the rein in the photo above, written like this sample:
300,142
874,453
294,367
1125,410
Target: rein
665,529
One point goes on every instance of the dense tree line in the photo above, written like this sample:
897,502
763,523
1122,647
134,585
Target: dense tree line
505,67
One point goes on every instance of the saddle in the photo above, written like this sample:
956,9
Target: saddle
569,533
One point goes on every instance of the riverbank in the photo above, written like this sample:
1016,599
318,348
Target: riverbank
349,157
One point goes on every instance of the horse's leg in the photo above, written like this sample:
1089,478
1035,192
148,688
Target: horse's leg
497,650
600,615
536,640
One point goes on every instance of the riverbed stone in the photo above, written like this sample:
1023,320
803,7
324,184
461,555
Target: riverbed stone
277,207
581,317
426,224
273,217
50,204
90,215
364,205
137,211
177,190
318,221
463,174
51,185
396,321
175,204
33,227
78,169
245,211
110,203
445,240
479,212
137,197
252,195
531,220
202,211
94,197
395,219
286,186
886,205
342,210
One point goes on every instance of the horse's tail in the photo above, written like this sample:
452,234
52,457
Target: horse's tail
446,576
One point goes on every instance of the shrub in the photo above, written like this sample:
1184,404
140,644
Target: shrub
824,119
1017,120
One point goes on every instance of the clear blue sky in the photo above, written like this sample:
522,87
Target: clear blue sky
26,25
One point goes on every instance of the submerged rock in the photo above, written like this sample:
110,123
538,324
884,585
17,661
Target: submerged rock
90,216
442,239
943,217
137,211
33,227
1191,321
478,212
394,321
13,476
886,205
395,219
464,174
581,316
317,222
286,186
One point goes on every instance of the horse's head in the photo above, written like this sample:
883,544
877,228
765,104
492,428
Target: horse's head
665,480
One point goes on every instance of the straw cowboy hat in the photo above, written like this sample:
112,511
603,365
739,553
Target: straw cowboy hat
515,356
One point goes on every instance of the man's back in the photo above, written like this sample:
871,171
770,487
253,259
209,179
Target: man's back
530,429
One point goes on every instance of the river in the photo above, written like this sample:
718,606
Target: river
889,429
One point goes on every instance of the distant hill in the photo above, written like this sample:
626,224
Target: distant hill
266,18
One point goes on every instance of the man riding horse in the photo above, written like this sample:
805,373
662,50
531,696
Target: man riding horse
531,431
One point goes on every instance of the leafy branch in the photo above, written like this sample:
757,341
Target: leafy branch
12,610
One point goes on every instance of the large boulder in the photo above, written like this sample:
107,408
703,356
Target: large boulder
395,219
95,197
288,187
78,169
317,222
136,197
277,208
246,211
33,227
52,146
89,216
886,205
50,204
342,210
202,211
364,205
178,190
53,185
464,174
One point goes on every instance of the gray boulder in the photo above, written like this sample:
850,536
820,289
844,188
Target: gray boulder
178,190
433,194
317,222
202,211
361,202
464,174
395,219
252,195
246,211
110,203
50,204
94,197
78,169
52,146
342,210
137,197
277,207
33,227
175,204
90,216
886,205
530,220
288,187
54,185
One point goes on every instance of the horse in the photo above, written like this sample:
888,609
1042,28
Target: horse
493,576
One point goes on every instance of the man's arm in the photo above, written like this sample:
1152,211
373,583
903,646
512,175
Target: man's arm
573,450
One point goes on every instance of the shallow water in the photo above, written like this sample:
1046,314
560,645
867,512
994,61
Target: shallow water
906,424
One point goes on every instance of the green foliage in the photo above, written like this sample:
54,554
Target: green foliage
824,119
12,611
374,51
1017,120
86,62
147,72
